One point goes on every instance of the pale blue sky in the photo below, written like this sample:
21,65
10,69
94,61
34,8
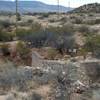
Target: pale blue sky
73,3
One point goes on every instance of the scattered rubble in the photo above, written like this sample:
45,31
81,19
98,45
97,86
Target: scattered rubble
64,80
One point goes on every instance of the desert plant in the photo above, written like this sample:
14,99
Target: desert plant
30,21
21,33
22,50
93,44
35,96
5,23
83,52
84,29
18,17
45,15
5,36
51,53
78,20
5,49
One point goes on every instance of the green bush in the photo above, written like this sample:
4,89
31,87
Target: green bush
93,44
5,49
21,33
92,21
45,15
5,24
5,36
78,21
97,21
30,21
52,21
22,50
84,29
18,17
51,53
36,27
82,52
61,38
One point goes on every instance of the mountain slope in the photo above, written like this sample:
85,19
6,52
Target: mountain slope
89,8
31,6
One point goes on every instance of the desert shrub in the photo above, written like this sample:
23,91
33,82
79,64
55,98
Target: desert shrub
5,49
64,19
21,33
4,13
88,94
78,21
97,21
5,23
30,21
93,44
68,28
35,96
52,21
82,52
3,36
51,53
24,33
91,21
8,71
52,13
45,15
94,75
18,17
21,23
11,76
23,54
36,27
62,38
91,15
22,50
84,29
36,37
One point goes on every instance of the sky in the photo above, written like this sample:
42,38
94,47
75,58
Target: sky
67,3
71,3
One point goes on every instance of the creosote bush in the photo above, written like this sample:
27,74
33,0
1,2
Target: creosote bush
51,53
61,38
5,36
23,51
5,23
93,44
83,52
84,29
5,49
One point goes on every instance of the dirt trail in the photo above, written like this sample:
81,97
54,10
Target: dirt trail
2,98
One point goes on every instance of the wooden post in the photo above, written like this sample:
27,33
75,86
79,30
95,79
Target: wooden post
58,9
16,16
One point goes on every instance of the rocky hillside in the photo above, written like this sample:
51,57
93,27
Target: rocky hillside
93,8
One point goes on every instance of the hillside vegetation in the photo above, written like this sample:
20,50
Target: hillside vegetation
50,56
88,8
